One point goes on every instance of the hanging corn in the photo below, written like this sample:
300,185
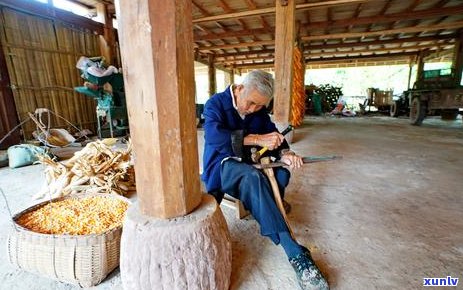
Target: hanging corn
298,93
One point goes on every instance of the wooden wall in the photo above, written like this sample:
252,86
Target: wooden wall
41,54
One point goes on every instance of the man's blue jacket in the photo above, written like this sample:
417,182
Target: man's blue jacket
223,133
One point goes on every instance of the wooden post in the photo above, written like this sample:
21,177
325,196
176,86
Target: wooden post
8,115
232,76
420,65
108,40
157,54
211,74
284,46
410,68
458,59
229,77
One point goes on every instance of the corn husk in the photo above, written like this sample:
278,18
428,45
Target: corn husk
97,168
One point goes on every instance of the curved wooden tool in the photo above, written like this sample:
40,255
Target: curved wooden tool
276,192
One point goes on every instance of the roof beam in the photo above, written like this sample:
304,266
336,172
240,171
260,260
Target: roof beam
348,44
309,48
389,56
428,13
413,29
348,53
230,34
271,10
238,45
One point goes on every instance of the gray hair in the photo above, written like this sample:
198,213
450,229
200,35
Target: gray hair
258,80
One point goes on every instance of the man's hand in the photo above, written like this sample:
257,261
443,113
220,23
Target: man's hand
292,159
271,140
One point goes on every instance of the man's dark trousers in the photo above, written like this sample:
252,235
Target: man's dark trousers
252,188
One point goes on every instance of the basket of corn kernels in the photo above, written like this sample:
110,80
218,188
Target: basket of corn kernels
73,239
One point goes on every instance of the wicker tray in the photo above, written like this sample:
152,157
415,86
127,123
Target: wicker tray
84,260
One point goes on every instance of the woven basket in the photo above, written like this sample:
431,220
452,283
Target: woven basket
84,260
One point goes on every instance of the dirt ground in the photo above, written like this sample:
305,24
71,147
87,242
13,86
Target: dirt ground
384,217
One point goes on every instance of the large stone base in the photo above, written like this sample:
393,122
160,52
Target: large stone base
190,252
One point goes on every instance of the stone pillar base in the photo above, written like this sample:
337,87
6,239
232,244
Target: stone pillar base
190,252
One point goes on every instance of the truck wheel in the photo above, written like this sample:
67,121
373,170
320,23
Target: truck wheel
449,114
417,111
394,110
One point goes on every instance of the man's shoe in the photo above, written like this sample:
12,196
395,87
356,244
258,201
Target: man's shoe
286,206
308,274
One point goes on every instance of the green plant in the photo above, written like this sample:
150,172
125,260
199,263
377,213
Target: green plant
330,95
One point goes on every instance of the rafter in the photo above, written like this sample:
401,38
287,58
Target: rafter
200,8
390,56
452,25
381,50
238,45
355,20
271,10
229,34
308,48
422,14
414,29
413,5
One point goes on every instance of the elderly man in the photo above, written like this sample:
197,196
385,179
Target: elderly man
235,121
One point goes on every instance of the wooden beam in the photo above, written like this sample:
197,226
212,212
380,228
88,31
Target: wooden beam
200,8
211,75
420,14
271,10
284,46
348,53
343,35
230,34
410,68
238,45
377,50
451,25
44,10
457,63
108,47
385,57
324,47
8,114
161,104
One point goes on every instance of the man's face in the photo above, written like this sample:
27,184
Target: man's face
251,103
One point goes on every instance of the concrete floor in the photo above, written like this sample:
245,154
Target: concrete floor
384,217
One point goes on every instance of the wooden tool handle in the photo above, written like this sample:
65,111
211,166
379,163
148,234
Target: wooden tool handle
276,193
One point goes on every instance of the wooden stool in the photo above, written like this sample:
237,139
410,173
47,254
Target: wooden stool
231,202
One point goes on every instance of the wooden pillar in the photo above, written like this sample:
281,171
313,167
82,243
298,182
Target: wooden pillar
157,54
108,39
420,65
229,77
8,115
410,68
232,76
211,75
284,46
458,59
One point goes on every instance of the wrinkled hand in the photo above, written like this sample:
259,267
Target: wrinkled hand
292,159
271,140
